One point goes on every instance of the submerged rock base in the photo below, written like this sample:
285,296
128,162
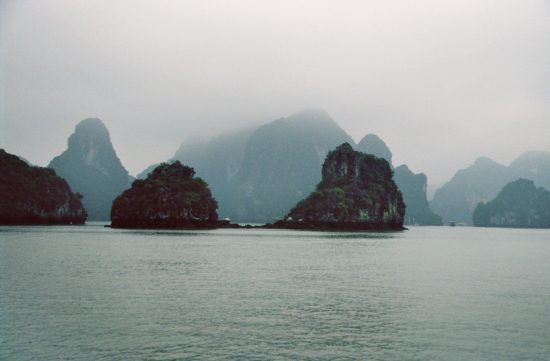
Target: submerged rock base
337,226
172,224
41,221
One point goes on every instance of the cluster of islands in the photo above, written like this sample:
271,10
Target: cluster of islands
299,172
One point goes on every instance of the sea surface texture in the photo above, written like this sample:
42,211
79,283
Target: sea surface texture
433,293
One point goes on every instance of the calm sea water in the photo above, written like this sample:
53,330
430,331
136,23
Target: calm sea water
434,293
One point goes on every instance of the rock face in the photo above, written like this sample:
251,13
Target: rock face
413,187
356,192
519,204
372,144
480,182
35,195
92,168
170,197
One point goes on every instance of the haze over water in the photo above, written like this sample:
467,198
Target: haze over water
83,293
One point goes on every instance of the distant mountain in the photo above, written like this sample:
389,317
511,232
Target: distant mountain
257,174
281,165
36,195
518,204
413,187
456,200
372,144
217,161
356,192
91,167
533,165
481,182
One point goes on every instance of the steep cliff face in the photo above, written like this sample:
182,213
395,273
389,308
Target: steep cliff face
519,204
35,195
356,192
413,187
91,167
170,197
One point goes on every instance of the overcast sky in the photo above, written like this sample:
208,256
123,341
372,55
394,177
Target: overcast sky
442,82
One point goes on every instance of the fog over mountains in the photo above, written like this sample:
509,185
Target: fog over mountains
258,174
442,82
457,199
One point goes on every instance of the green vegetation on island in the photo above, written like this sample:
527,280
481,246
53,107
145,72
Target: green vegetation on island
170,197
357,192
519,204
36,195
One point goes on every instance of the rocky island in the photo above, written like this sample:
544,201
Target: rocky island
357,192
170,197
35,195
519,204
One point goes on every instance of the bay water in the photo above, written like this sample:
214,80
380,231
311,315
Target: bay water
428,293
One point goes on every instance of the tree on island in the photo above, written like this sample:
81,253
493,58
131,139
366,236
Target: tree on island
170,197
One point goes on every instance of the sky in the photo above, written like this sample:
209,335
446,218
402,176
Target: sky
442,82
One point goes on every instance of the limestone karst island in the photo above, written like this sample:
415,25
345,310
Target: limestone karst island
301,172
357,192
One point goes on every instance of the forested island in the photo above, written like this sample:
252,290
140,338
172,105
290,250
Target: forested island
35,195
519,204
259,174
170,197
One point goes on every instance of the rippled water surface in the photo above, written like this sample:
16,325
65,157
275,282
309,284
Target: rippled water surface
434,293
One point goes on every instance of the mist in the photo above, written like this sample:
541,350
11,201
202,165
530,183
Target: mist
441,82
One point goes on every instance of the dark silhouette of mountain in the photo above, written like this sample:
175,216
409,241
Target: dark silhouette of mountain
518,204
281,165
356,192
413,187
170,197
36,195
481,182
92,168
372,144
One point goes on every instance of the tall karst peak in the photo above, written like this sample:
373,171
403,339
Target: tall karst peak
91,167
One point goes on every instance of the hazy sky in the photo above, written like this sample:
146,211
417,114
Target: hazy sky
442,82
